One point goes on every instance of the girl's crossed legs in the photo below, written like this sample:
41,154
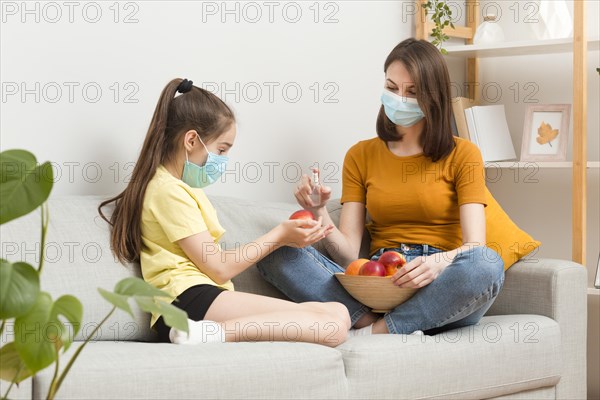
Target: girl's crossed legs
239,317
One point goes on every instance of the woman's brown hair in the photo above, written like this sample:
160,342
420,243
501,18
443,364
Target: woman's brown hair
196,109
429,73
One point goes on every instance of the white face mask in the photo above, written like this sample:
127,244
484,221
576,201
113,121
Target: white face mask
403,111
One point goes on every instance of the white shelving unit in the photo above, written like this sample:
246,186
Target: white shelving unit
578,46
538,164
525,47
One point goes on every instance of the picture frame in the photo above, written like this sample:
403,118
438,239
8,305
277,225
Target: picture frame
546,132
597,281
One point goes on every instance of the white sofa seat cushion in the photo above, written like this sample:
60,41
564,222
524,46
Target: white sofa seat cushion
135,370
499,355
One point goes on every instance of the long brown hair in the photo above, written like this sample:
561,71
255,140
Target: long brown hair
429,73
196,109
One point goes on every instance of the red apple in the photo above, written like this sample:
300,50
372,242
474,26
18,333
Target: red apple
372,268
303,214
392,260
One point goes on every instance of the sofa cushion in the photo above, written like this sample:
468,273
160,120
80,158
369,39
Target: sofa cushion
129,370
22,391
545,393
499,355
504,236
245,221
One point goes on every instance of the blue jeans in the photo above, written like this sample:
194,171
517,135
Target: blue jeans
458,297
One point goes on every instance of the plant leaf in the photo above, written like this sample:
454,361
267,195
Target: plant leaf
135,286
118,300
40,333
24,185
69,307
11,364
148,299
173,316
34,347
19,288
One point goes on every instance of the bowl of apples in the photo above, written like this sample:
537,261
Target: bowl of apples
369,282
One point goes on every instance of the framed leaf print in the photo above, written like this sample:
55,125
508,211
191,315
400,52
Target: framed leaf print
597,281
546,132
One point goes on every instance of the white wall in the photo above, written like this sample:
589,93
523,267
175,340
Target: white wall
339,61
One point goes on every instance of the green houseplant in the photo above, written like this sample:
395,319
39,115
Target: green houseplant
25,186
442,17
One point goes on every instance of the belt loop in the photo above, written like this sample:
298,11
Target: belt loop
425,249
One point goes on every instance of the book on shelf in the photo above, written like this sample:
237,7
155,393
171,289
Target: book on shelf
459,104
488,129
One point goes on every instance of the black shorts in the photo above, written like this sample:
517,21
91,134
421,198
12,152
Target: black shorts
195,301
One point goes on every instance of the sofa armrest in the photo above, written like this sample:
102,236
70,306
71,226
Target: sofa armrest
556,289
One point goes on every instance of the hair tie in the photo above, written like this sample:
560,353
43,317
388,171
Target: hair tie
185,86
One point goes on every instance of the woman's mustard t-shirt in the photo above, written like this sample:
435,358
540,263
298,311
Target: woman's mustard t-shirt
173,210
413,199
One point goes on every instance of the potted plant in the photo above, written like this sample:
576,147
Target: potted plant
25,186
441,17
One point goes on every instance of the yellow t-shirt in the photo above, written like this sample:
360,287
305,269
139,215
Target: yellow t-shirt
172,211
412,199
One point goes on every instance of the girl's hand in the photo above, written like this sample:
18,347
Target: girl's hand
420,272
303,191
302,232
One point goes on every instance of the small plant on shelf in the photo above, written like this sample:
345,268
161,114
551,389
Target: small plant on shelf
441,17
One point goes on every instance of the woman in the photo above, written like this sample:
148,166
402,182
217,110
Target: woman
424,191
164,220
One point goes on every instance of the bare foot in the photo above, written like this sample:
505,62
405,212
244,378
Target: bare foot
366,320
380,327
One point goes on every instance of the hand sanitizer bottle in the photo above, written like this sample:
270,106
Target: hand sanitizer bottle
315,194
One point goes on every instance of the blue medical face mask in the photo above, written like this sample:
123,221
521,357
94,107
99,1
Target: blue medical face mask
403,111
201,176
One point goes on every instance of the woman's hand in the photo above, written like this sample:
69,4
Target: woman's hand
303,191
302,232
420,272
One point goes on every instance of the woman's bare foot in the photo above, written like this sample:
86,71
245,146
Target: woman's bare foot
366,320
380,327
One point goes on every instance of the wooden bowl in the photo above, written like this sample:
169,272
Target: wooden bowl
376,292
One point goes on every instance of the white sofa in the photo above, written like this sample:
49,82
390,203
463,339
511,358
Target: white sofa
530,345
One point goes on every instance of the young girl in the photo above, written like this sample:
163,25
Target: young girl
425,193
164,220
